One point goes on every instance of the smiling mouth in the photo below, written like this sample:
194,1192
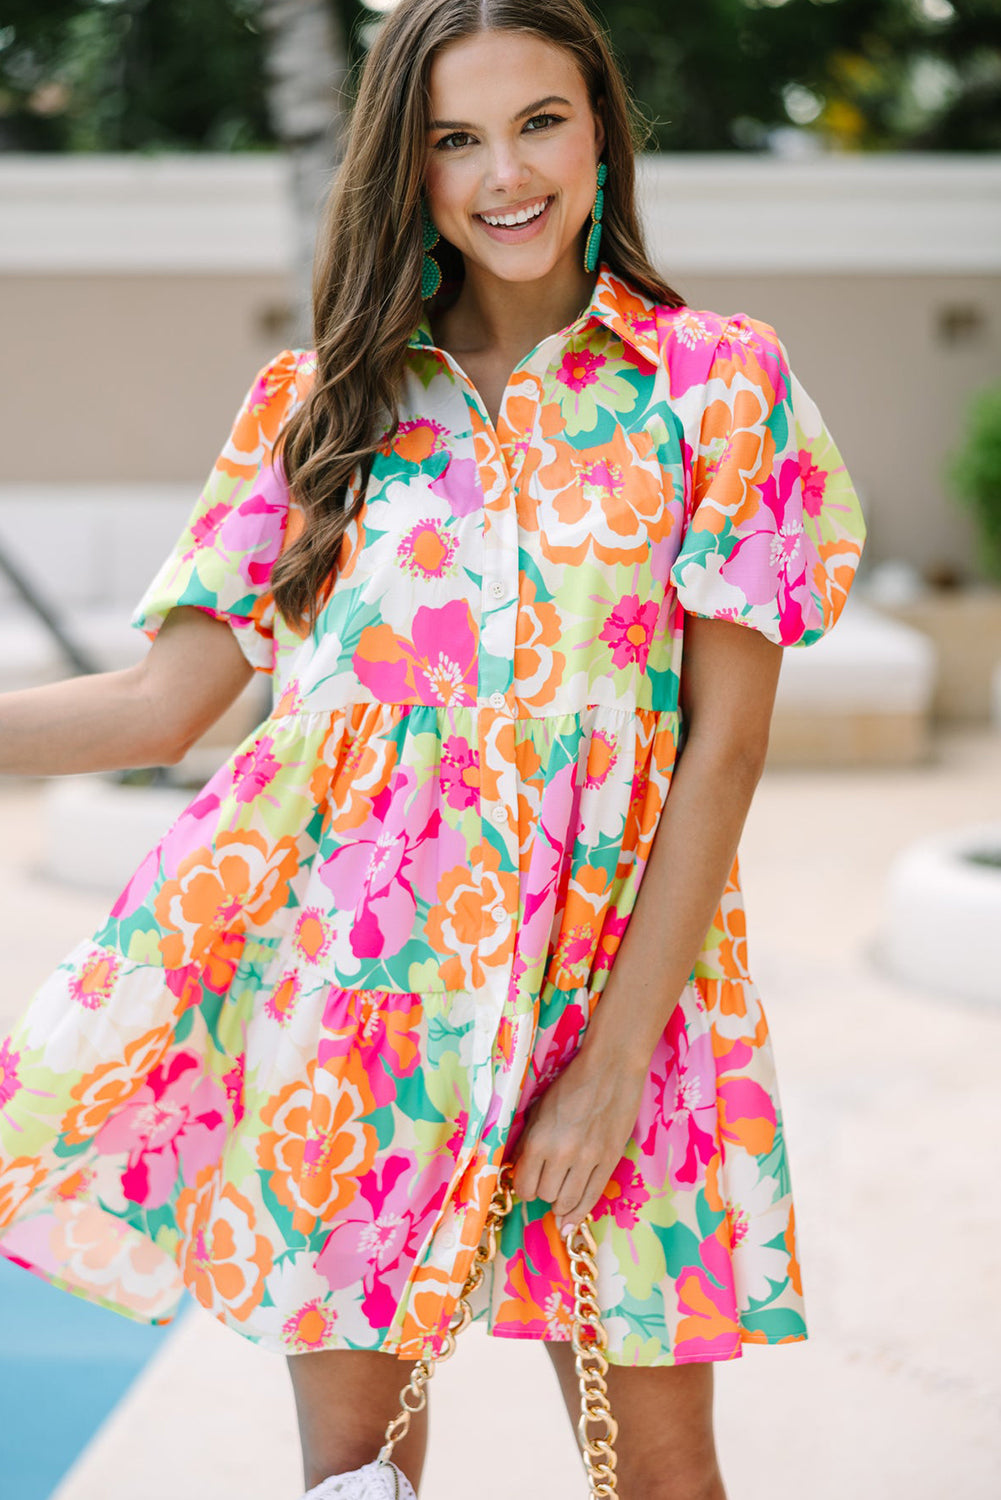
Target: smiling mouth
516,218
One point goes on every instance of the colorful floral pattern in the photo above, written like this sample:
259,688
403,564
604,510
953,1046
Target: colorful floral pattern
285,1070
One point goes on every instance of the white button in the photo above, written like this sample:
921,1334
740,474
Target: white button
498,913
499,814
497,700
496,588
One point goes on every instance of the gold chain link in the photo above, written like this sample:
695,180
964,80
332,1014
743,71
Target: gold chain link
589,1343
591,1363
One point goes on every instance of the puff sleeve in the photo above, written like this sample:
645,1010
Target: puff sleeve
223,559
774,530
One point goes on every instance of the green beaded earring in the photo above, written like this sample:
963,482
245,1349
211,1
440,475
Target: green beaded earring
594,233
430,269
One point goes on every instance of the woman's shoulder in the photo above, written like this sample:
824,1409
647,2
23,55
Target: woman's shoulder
695,343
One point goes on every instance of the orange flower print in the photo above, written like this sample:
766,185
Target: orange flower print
313,935
108,1086
609,502
538,665
736,457
310,1326
602,753
586,903
18,1180
416,441
460,924
223,1260
93,985
281,1002
319,1144
260,420
216,892
354,767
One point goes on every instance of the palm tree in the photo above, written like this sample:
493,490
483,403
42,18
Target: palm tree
306,66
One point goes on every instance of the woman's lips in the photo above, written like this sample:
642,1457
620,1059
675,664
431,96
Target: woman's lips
515,233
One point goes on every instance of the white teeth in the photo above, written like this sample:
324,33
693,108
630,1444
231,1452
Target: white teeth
523,215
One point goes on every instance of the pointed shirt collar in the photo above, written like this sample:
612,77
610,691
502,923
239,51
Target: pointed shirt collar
617,303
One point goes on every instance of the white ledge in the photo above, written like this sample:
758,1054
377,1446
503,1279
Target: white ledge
177,214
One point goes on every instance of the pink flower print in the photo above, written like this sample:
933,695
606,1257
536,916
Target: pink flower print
233,1081
691,331
313,934
707,1301
190,832
401,846
428,550
459,486
580,369
381,1027
255,529
747,1115
460,772
624,1196
93,984
555,1047
309,1327
255,769
282,1000
12,1083
769,563
379,1235
612,932
682,1129
813,482
629,631
206,528
446,663
438,666
175,1121
540,1303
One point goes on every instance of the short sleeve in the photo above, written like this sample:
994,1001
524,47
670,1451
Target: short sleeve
774,531
223,559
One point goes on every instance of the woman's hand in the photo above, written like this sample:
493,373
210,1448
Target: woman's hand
575,1134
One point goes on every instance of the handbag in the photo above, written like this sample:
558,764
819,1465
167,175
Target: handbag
382,1480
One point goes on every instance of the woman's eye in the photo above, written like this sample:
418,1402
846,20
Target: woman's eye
453,142
545,119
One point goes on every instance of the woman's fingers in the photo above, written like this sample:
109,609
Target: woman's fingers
593,1188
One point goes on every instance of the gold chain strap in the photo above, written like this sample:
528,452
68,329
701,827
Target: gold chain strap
589,1342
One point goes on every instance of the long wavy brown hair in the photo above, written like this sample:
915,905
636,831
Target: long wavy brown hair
367,272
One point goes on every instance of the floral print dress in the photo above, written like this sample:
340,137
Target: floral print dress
285,1071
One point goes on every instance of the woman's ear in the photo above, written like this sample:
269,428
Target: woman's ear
599,125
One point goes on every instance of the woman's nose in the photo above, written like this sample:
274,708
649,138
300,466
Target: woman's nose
507,172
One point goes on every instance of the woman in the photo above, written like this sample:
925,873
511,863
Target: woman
533,517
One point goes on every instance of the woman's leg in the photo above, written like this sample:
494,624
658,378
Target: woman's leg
665,1448
343,1399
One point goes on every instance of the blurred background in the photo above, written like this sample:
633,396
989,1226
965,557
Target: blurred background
830,166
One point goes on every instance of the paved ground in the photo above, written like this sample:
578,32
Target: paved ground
892,1105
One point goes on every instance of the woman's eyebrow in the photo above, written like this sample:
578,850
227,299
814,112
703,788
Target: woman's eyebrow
522,114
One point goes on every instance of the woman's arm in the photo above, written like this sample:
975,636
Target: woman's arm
577,1131
146,715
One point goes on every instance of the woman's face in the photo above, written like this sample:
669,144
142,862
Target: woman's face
512,133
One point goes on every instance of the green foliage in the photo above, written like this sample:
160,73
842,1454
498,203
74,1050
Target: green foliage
975,473
860,74
139,75
131,75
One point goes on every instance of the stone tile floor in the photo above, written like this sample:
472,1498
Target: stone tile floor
894,1115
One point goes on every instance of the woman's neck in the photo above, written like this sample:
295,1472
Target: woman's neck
510,317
